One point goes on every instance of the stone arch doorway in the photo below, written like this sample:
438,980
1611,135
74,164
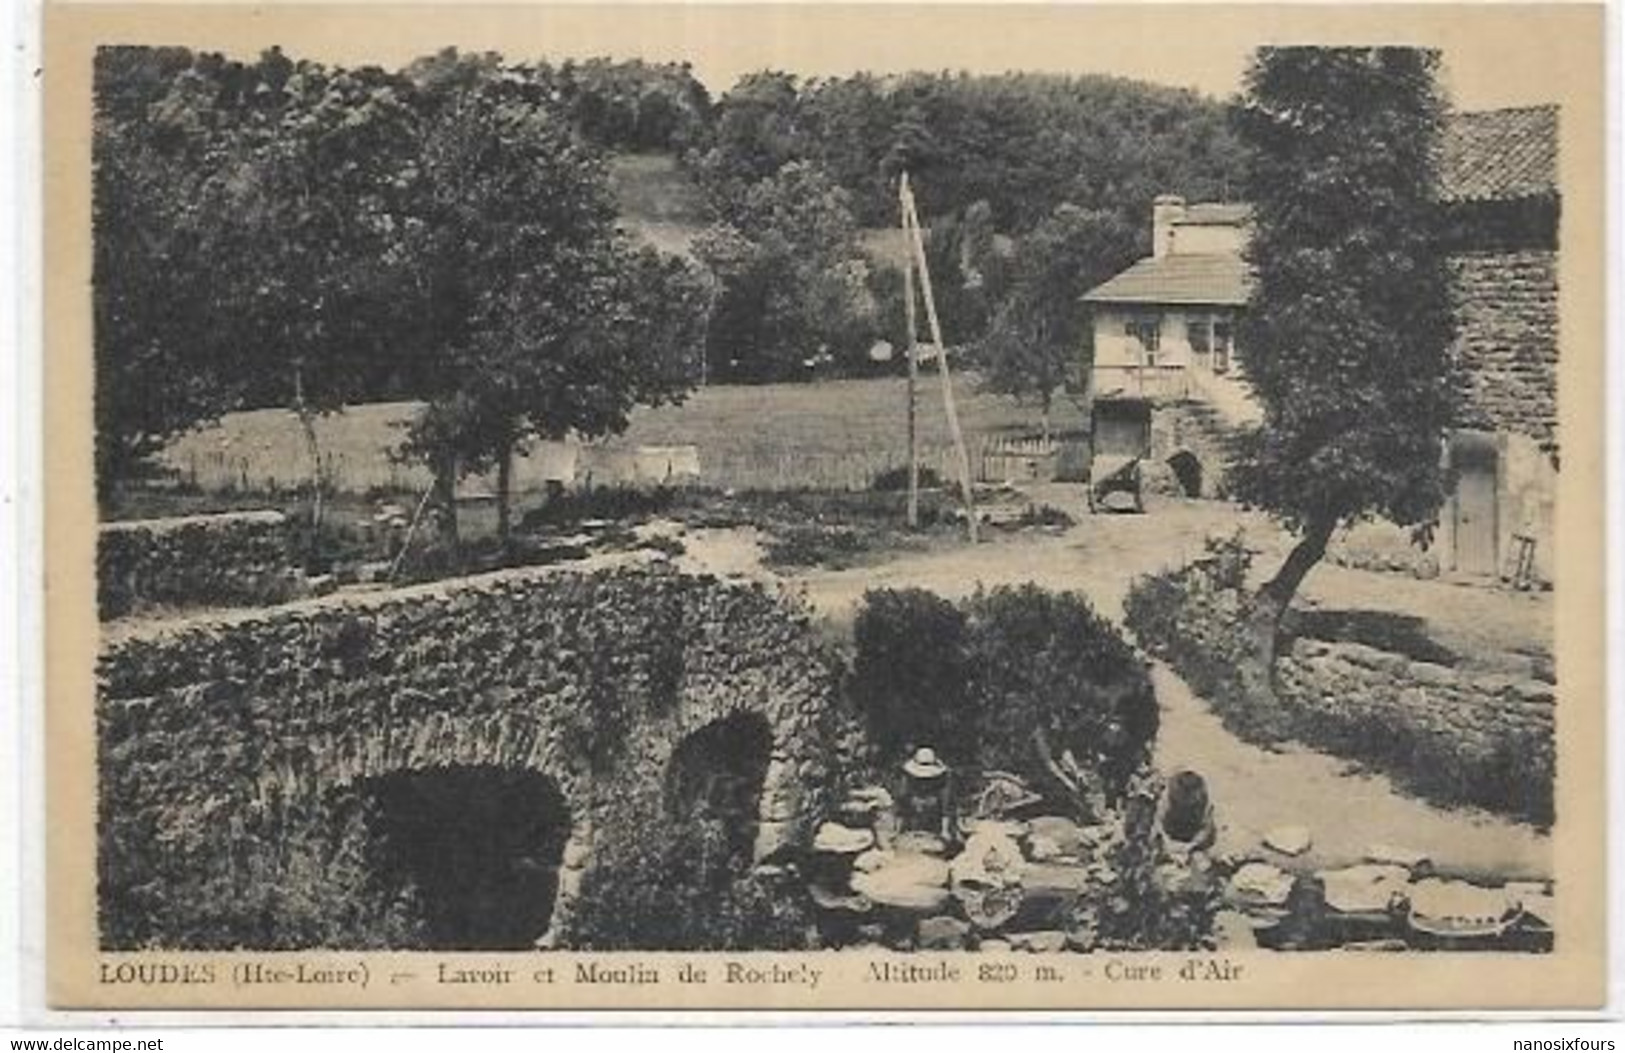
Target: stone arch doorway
475,850
1188,472
714,784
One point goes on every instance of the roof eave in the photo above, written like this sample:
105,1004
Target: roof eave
1164,301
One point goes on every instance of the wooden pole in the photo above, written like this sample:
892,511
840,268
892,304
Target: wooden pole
411,532
913,372
911,218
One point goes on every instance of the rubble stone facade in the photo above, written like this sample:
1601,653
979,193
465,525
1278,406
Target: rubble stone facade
232,559
1506,313
223,730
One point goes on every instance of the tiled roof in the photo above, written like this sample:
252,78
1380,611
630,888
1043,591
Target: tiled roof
1215,214
1490,155
1218,280
1500,155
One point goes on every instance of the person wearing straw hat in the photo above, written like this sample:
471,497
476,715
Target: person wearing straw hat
924,765
926,794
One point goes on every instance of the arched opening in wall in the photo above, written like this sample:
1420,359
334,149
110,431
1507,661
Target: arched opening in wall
1188,471
473,851
713,786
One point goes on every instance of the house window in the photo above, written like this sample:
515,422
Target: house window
1221,347
1148,331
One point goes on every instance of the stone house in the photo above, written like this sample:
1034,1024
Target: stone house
1166,382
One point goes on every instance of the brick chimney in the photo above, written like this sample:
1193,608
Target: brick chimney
1166,210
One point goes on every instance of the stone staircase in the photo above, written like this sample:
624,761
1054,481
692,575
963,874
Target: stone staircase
1203,431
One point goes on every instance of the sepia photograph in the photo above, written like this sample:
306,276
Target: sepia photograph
590,513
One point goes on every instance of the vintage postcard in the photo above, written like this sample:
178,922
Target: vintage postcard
842,507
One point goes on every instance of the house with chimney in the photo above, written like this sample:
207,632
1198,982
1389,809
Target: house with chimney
1166,383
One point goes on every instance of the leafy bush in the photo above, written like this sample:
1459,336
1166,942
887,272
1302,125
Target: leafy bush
894,479
320,549
1143,906
909,672
816,545
1044,664
680,885
1013,677
1043,516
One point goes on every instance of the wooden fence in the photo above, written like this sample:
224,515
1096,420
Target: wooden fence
1026,460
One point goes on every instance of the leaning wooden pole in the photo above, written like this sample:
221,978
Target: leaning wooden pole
913,352
911,219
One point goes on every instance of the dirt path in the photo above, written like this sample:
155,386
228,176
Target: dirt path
1345,811
1099,557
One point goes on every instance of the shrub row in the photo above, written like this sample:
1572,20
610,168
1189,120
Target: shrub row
1194,618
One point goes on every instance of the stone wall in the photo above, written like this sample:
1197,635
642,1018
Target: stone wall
1381,546
1195,428
1478,715
1525,506
1451,737
231,746
1527,498
1506,313
233,559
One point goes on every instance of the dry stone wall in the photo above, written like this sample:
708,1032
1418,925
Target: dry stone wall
1195,428
1382,546
232,559
222,735
1451,735
1478,715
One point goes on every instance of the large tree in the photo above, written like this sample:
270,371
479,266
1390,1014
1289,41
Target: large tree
242,238
315,183
1024,142
163,354
1040,336
157,373
792,283
1346,339
536,318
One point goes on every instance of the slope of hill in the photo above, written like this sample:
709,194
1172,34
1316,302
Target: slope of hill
659,203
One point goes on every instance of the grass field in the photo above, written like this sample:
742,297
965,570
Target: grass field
657,201
651,187
829,435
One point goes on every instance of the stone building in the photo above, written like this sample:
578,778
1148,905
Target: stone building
1166,382
1501,192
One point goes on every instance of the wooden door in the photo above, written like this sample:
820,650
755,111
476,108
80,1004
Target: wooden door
1476,526
1122,428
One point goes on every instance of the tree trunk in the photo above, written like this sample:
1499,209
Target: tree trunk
313,448
1270,604
1049,398
504,491
445,496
